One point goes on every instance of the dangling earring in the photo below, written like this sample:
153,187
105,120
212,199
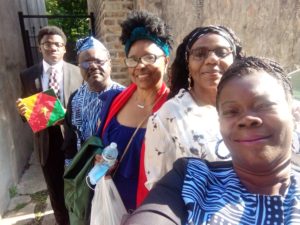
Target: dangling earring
219,153
189,82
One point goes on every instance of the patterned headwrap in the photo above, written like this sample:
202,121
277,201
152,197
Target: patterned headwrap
211,29
84,44
141,33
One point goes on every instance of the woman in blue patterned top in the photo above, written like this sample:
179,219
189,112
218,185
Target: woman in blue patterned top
259,185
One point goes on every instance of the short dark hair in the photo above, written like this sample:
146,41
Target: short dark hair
179,68
247,65
152,23
51,30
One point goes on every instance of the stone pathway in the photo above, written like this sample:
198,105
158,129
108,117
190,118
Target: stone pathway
30,205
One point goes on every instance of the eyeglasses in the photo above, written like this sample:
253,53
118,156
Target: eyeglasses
146,60
48,45
85,65
202,53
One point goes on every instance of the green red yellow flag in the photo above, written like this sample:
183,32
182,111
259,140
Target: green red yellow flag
43,110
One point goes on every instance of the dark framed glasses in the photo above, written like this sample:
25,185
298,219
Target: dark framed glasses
48,45
146,60
86,64
202,53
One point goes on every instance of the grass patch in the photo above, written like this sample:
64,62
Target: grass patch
13,191
39,209
38,215
20,206
39,197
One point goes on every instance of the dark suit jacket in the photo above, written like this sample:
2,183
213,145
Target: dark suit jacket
31,84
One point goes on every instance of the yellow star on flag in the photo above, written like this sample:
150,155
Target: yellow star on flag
45,110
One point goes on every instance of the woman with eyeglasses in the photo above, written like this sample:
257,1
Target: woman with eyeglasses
258,186
187,124
147,42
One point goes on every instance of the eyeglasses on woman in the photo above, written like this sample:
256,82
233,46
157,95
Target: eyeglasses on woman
146,60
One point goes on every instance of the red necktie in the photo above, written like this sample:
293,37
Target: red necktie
53,82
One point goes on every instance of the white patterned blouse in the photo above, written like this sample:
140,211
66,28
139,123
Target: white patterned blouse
181,128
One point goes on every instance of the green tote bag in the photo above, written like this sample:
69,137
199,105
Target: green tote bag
78,195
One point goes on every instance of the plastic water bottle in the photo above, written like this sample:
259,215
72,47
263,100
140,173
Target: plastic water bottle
109,156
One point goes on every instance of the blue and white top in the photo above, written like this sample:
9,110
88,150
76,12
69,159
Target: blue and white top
215,195
82,117
86,108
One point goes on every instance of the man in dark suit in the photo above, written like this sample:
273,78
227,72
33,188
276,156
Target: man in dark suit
48,142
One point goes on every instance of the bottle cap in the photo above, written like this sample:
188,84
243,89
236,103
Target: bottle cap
110,153
113,145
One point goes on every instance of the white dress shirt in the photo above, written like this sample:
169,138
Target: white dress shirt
45,78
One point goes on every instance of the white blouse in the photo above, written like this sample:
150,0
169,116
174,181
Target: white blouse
181,128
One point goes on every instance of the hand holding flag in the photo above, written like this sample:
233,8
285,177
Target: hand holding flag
41,110
21,107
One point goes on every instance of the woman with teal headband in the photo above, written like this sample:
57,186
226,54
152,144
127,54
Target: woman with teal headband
147,41
140,33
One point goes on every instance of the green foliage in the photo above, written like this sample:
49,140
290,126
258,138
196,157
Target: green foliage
39,197
69,7
13,191
74,28
20,206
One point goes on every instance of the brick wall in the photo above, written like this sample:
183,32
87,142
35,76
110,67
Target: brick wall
266,28
109,14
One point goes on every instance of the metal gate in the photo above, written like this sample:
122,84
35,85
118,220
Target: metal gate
31,24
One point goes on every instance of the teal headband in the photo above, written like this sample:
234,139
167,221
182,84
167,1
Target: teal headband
141,33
